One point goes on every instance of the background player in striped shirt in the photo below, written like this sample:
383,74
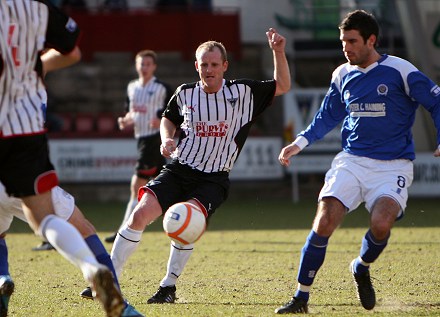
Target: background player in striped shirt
376,97
215,116
147,97
27,28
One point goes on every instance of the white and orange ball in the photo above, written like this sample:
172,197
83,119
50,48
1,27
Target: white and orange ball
184,223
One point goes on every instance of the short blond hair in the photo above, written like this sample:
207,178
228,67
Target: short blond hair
209,47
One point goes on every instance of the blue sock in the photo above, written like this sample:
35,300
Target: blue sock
370,251
101,254
312,257
302,295
4,265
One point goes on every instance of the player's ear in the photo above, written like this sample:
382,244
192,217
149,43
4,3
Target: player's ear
225,66
196,65
372,40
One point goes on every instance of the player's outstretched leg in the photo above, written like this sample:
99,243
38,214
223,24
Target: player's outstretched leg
103,257
70,244
6,290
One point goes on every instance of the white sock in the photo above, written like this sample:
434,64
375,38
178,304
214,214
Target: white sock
304,288
130,207
69,243
126,242
363,262
179,256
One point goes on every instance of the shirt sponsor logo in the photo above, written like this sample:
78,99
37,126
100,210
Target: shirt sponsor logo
206,129
139,108
367,109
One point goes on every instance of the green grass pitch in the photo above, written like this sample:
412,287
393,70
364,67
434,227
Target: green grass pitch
245,265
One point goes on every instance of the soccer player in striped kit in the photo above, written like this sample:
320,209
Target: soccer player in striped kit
376,97
64,207
215,116
28,27
147,97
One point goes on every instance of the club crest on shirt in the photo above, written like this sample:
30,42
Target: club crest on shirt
382,90
232,101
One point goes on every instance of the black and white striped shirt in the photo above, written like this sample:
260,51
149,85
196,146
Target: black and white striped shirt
27,27
145,102
215,126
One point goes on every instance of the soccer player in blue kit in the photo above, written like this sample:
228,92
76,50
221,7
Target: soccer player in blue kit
375,97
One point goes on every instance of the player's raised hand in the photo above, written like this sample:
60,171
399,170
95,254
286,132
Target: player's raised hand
287,152
276,41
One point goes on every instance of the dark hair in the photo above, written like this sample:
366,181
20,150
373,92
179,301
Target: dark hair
362,21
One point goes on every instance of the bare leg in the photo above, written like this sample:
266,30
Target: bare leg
146,211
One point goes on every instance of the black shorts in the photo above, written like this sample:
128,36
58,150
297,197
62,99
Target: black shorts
177,183
150,161
25,167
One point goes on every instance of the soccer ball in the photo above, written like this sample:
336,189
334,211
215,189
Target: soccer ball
184,223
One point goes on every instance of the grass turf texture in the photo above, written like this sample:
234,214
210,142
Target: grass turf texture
244,265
